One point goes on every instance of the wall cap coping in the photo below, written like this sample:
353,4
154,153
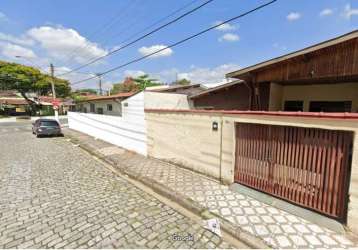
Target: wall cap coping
345,115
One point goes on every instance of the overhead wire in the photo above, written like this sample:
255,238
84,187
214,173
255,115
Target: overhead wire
142,37
114,19
182,41
158,21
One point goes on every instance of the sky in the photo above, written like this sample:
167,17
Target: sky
70,33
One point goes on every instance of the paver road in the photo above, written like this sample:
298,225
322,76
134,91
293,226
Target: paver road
55,195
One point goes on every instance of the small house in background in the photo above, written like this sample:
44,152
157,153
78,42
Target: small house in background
320,78
120,119
107,105
64,104
13,106
163,96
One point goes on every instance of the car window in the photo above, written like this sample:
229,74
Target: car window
48,124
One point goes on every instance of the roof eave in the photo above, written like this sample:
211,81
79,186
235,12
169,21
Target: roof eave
239,74
217,88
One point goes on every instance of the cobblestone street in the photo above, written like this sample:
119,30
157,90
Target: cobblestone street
54,195
277,228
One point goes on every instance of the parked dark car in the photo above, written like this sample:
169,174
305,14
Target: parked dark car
46,127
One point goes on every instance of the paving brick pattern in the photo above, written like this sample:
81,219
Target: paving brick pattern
277,228
54,195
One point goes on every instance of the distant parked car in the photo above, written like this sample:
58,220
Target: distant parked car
42,127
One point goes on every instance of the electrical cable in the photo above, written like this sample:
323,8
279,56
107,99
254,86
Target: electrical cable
182,41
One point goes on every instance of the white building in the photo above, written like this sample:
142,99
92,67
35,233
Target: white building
120,119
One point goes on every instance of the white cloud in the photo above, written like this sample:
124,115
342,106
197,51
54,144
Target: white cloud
165,76
229,37
279,46
149,50
326,12
61,42
293,16
23,40
349,12
10,51
75,76
225,26
3,17
209,76
134,73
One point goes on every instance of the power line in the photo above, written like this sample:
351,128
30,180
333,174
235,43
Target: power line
142,37
34,65
127,27
181,41
78,72
104,27
157,22
143,30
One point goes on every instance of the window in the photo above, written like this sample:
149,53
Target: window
92,107
330,106
100,111
49,124
293,106
109,107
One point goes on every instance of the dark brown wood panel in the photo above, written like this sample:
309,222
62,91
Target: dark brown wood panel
306,166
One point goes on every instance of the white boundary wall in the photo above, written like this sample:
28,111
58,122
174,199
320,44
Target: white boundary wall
128,131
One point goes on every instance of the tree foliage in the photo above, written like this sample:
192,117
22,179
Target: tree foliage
144,81
43,86
25,79
91,91
182,82
134,84
127,86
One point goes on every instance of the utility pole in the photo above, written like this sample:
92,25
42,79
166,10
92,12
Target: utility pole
100,83
53,90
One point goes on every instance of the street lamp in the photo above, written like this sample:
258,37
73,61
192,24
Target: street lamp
30,61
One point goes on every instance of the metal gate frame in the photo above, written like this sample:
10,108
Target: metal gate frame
279,160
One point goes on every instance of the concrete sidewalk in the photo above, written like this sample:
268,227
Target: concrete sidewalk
8,119
256,223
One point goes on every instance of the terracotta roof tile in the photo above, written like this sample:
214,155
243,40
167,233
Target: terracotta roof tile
120,95
13,101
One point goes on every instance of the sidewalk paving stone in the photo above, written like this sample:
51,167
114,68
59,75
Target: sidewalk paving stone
277,228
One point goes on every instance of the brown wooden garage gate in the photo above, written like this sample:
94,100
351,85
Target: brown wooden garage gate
306,166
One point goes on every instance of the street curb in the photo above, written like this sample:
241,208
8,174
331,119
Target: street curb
193,206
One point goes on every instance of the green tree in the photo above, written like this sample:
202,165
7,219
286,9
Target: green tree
78,95
20,78
182,82
43,86
26,79
127,86
134,84
144,81
92,91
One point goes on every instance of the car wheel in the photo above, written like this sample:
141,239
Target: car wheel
38,136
